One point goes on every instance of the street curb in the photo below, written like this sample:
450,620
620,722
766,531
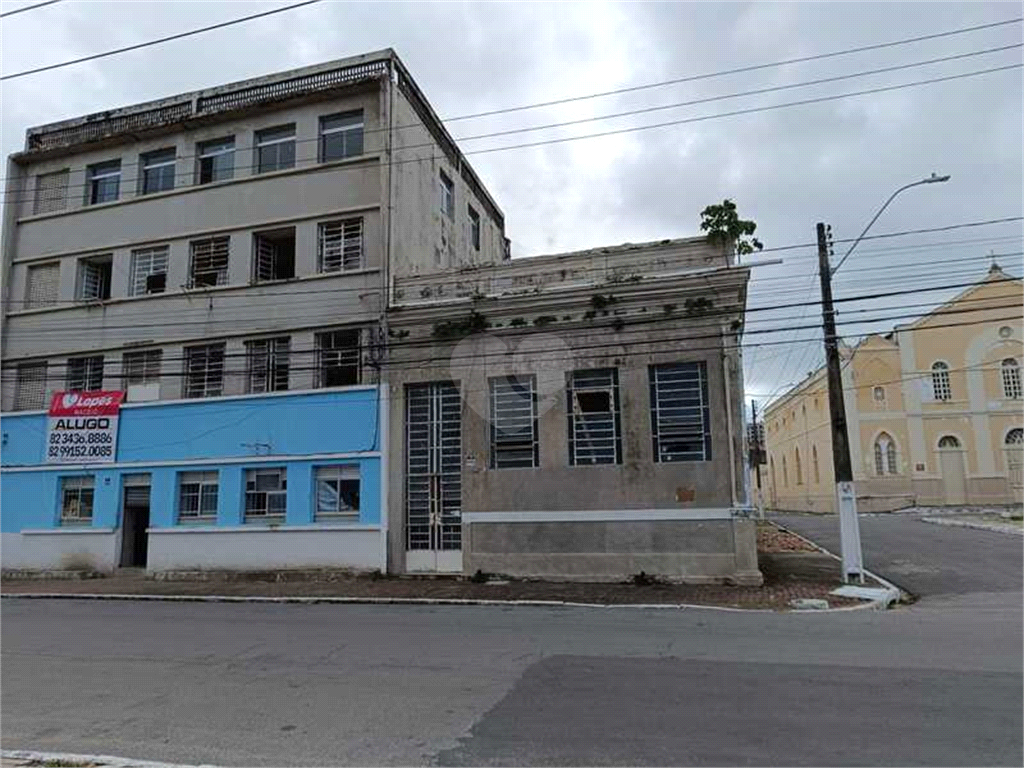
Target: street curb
996,528
102,760
409,601
896,594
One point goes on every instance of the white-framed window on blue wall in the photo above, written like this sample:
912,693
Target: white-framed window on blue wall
337,492
76,496
197,497
266,492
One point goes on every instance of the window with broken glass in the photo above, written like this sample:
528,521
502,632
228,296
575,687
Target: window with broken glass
268,364
266,492
592,401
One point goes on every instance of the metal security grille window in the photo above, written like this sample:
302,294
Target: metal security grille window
31,386
680,422
474,228
104,182
149,270
340,245
43,285
341,136
197,496
337,358
51,192
76,495
204,370
141,367
215,160
209,262
274,255
885,455
85,374
1011,379
94,278
268,364
447,196
433,477
514,423
157,171
592,400
940,382
337,491
266,492
275,149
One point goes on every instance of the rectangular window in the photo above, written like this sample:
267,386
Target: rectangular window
337,492
31,386
337,358
341,136
474,228
103,183
149,270
215,160
76,495
51,192
340,245
94,278
141,367
204,370
514,423
447,196
592,399
268,364
273,255
680,422
42,285
197,496
85,374
266,492
209,262
157,171
275,149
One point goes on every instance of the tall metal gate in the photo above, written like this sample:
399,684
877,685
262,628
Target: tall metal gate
433,477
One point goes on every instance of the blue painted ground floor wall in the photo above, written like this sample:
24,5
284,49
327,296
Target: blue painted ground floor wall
298,432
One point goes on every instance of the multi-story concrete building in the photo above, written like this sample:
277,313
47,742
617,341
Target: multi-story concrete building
292,293
230,244
933,411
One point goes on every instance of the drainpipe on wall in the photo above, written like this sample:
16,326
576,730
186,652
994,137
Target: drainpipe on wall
383,424
728,422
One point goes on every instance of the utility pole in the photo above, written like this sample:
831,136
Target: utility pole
842,467
756,454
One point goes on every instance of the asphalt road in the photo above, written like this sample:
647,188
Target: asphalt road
263,684
956,565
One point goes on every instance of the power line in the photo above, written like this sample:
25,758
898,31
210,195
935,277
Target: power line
5,14
633,129
157,41
736,70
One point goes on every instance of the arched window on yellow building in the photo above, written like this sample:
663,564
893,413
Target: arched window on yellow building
940,381
814,464
1011,379
799,467
885,455
785,474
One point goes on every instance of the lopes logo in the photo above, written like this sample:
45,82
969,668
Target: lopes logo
79,403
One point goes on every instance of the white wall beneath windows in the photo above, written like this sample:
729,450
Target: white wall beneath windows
61,549
252,547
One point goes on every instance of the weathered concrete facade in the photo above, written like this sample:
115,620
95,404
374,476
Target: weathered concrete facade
628,310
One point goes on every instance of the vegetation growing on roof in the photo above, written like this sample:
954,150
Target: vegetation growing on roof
474,322
724,227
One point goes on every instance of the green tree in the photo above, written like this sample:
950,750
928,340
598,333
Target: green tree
724,226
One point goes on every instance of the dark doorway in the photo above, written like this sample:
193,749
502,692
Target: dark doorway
134,539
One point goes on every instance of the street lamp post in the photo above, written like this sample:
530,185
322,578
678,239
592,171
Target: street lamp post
846,496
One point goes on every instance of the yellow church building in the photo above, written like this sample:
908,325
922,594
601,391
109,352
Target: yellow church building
933,411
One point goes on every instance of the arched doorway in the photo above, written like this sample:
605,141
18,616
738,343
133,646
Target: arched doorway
951,467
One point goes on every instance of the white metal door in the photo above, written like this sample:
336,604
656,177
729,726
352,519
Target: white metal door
433,477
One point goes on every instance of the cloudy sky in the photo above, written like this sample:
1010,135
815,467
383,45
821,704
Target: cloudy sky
833,161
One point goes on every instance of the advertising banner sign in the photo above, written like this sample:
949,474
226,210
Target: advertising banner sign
82,427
